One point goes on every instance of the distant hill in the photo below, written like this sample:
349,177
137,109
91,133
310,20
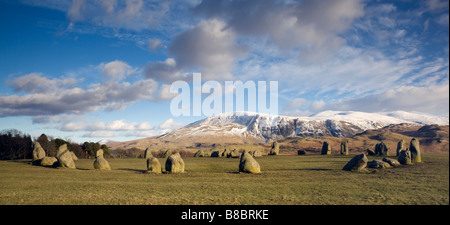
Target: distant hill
246,128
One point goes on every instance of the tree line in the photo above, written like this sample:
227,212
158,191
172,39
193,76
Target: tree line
17,145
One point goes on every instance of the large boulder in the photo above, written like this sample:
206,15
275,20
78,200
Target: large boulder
64,157
405,157
38,151
216,154
100,162
326,148
49,161
275,150
401,145
414,147
175,164
378,164
248,164
233,154
381,149
256,153
344,147
199,153
148,153
357,163
153,165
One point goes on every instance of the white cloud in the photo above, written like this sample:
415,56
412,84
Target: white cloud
432,100
128,14
208,48
46,97
117,70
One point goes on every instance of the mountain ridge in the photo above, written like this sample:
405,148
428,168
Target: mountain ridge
272,127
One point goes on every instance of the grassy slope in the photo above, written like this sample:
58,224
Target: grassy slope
310,179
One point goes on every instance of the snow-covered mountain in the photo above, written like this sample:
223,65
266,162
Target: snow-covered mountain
271,127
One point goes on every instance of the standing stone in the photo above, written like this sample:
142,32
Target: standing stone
344,147
148,153
100,162
381,149
257,153
401,145
233,154
405,157
153,165
248,164
199,153
326,148
415,151
64,157
357,163
225,153
38,151
275,149
175,164
167,153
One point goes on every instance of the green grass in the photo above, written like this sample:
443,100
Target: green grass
301,180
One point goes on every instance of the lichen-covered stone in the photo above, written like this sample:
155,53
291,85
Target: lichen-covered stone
378,164
405,157
153,165
401,145
357,163
248,164
414,147
344,147
326,148
275,150
64,157
38,151
381,149
100,162
147,153
175,164
49,161
392,162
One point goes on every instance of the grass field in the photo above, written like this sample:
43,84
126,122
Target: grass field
299,180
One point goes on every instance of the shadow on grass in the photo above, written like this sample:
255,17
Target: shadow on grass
133,170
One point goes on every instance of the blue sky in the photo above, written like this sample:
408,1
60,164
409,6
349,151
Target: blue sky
92,70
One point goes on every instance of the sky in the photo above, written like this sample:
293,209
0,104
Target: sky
102,69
